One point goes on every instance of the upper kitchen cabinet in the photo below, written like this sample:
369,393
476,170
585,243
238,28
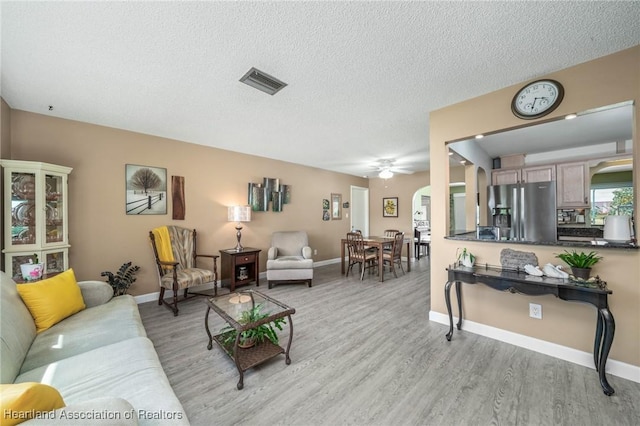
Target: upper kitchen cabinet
572,185
525,175
35,215
539,174
505,176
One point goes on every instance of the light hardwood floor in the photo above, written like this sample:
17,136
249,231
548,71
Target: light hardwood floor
365,353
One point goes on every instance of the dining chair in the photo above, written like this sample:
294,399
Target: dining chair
358,254
391,233
394,257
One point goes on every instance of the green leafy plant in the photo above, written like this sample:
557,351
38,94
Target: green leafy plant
257,334
579,260
121,280
464,253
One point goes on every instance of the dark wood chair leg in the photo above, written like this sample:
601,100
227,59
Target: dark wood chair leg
161,296
175,299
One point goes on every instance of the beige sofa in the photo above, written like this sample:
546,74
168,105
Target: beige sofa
99,359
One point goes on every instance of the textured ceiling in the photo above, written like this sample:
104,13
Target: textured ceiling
362,76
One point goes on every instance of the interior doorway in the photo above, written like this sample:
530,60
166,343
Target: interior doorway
359,208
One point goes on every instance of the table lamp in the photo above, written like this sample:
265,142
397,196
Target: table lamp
239,214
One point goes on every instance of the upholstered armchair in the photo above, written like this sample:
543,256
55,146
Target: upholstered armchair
174,249
289,258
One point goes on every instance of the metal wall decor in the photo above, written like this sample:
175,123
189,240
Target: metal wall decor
270,190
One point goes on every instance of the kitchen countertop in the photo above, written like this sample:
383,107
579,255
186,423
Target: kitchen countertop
598,243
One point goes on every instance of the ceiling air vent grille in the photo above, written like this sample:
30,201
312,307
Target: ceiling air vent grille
262,81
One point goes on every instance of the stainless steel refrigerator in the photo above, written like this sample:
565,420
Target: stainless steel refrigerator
532,209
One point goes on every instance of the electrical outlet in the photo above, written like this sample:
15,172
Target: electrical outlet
535,310
315,251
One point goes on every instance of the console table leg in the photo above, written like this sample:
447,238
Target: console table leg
609,331
447,299
597,344
459,296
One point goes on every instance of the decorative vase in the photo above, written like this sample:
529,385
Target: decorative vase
31,271
583,273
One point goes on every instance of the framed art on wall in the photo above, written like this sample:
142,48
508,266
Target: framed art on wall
390,207
336,206
146,190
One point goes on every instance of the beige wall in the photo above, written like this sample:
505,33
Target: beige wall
401,186
608,80
103,237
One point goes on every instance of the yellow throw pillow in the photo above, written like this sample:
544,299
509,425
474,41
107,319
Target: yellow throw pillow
52,300
24,401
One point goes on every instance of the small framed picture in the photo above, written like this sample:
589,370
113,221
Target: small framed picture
390,207
488,233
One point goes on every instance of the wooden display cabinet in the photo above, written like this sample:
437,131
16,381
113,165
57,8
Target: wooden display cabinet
35,215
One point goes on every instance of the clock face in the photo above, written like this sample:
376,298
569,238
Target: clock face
537,99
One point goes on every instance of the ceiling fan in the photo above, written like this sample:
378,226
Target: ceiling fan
386,169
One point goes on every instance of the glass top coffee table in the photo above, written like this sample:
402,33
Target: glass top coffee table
231,308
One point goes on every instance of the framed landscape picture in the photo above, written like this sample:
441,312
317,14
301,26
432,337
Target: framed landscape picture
390,207
146,189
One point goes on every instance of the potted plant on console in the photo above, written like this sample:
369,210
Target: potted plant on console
580,262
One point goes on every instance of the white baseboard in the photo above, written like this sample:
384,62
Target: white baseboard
617,368
150,297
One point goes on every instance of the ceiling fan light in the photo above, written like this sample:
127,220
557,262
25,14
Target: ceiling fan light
385,174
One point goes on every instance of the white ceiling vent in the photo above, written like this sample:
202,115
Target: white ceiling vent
262,81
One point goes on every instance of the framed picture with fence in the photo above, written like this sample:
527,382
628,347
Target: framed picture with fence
146,190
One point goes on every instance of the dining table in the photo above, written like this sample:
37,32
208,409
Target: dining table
379,243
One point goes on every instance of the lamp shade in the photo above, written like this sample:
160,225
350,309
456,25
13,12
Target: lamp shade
239,214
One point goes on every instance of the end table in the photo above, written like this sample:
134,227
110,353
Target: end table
241,267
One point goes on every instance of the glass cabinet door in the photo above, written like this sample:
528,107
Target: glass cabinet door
55,226
23,209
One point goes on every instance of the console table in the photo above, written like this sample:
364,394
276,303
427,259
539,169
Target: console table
520,282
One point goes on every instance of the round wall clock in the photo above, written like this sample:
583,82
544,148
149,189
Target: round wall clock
537,99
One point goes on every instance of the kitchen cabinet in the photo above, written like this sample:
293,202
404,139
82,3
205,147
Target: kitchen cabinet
35,215
505,176
539,174
531,174
572,185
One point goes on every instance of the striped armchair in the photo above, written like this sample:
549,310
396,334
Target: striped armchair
175,252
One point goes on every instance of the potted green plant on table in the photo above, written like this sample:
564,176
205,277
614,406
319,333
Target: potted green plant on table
466,258
580,262
254,336
121,280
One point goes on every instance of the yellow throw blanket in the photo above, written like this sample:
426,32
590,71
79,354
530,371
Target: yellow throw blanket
163,244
